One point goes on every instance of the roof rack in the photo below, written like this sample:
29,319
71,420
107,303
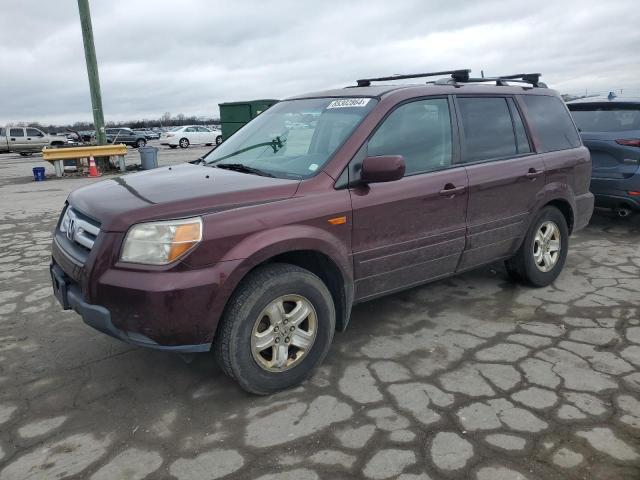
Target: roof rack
531,78
461,75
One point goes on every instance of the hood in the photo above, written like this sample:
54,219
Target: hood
173,192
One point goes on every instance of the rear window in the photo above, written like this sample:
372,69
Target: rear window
551,121
16,132
606,117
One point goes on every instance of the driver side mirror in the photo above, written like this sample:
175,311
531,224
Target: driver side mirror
387,168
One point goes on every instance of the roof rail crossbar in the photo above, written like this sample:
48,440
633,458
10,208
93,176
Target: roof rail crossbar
461,75
532,78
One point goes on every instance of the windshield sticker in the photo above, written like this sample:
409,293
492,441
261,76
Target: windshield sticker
348,103
313,167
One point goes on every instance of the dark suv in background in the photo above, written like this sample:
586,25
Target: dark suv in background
259,250
610,129
126,136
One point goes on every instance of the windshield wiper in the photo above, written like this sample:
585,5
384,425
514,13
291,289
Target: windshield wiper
240,167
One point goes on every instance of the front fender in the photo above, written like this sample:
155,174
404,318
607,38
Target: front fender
260,247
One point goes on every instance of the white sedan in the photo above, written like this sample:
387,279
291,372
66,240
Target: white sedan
191,135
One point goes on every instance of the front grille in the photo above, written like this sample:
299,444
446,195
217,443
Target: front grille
77,233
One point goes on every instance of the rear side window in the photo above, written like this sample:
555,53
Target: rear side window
16,132
488,129
552,123
419,131
606,117
2,132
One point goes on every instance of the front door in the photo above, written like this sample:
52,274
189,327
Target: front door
36,139
412,230
505,176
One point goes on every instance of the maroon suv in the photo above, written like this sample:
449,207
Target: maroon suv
259,250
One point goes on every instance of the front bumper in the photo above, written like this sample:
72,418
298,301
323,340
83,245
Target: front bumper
70,296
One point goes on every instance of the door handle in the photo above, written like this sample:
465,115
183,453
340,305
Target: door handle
450,190
13,139
532,174
28,138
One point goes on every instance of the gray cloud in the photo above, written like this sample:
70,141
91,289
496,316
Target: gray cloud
187,56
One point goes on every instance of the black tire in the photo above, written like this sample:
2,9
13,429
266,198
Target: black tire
232,344
140,142
26,154
218,139
184,143
522,267
173,146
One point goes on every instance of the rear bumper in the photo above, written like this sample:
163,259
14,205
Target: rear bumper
584,210
70,297
618,200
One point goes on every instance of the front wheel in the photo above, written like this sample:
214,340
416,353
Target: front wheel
184,142
218,139
140,143
543,252
26,154
277,328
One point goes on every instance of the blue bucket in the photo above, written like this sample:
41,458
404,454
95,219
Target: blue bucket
38,174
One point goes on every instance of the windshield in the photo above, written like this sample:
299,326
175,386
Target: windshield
295,138
606,117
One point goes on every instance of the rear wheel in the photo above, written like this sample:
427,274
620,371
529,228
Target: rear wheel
277,328
543,252
184,142
141,143
218,139
26,154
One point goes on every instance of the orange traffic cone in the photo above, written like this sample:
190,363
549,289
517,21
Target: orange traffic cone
93,170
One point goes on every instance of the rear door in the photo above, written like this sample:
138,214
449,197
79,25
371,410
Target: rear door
17,139
412,230
504,173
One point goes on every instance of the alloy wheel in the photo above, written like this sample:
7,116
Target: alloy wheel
546,246
284,333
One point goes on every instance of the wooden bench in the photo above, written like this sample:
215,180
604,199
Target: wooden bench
56,156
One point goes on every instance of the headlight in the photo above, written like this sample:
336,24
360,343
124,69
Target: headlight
160,243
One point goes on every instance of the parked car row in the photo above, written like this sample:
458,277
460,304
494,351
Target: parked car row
259,251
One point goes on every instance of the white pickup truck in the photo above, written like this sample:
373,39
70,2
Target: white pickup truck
27,140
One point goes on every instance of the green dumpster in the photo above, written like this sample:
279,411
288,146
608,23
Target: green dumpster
234,115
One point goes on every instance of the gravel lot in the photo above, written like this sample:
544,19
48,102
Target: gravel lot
472,377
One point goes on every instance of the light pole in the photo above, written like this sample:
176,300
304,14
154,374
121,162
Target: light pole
92,71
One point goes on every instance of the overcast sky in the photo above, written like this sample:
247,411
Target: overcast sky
187,56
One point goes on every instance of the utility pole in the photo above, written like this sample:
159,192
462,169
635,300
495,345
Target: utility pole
92,71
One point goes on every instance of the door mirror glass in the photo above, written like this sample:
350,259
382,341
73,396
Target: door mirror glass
382,169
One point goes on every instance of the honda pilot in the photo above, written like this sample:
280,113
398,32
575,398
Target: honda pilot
258,251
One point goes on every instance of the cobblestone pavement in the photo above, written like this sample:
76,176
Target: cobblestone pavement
472,377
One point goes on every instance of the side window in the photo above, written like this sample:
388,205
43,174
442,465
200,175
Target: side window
2,132
32,132
522,141
551,122
190,129
488,130
419,131
16,132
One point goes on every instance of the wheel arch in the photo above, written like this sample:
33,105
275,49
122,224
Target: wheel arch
566,209
313,254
